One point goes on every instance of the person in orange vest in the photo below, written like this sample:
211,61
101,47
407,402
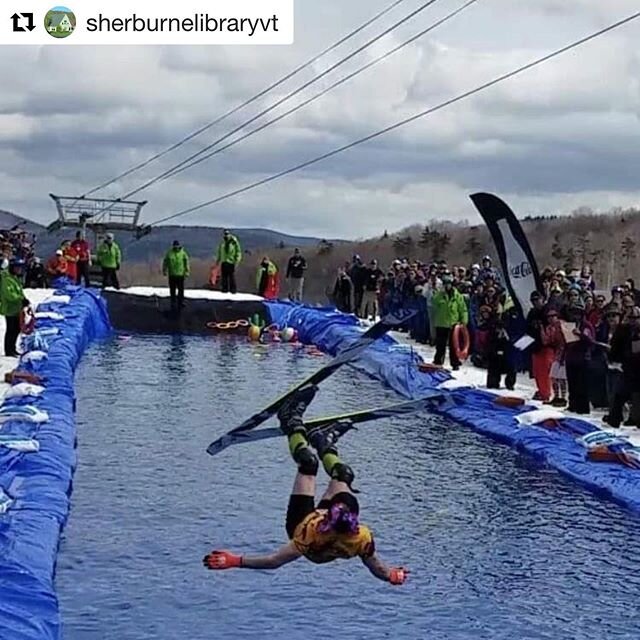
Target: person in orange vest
57,265
267,279
71,256
83,251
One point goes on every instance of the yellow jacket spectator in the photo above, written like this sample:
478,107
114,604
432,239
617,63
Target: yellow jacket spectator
176,266
109,259
228,257
11,302
267,279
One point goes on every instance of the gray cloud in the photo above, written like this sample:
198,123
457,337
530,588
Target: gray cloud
563,135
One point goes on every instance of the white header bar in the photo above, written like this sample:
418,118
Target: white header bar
141,22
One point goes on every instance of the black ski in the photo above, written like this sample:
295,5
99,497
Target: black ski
350,354
339,424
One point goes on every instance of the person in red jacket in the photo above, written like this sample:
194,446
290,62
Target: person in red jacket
57,266
83,251
71,256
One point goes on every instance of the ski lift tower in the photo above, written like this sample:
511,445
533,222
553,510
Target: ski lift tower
100,215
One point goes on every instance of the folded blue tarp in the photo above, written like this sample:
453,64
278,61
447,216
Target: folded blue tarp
397,367
39,483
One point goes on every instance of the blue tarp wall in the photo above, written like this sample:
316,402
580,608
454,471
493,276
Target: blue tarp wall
396,366
39,483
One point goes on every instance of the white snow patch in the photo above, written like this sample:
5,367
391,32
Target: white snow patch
538,416
194,294
470,376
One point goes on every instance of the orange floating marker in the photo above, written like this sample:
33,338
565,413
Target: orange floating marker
461,342
509,401
429,367
214,275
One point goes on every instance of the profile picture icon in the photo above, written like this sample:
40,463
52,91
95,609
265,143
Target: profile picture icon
60,22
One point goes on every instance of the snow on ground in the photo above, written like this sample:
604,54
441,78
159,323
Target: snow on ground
194,294
35,296
470,376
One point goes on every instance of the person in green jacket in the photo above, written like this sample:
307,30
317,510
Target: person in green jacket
228,258
176,266
449,309
12,301
266,281
109,258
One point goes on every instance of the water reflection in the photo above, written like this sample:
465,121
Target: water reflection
175,361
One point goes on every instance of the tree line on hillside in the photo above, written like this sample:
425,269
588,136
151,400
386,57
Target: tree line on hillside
608,242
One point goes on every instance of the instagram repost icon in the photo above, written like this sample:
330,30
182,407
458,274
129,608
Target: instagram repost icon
60,22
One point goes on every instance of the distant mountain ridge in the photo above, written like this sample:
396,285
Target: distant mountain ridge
200,241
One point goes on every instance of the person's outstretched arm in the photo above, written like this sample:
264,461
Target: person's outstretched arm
394,575
227,560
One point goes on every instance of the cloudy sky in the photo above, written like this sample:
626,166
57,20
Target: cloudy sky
563,135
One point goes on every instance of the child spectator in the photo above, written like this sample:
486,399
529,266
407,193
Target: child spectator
553,339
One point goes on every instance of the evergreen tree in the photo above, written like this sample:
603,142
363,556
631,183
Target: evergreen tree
472,246
557,250
583,244
441,242
426,238
569,260
628,250
595,256
403,246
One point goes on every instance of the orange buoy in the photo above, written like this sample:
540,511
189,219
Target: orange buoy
602,453
461,342
429,367
509,401
214,275
15,376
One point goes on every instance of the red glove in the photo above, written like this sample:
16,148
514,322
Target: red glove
222,560
398,575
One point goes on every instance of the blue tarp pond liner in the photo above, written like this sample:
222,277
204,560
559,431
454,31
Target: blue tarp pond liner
38,484
35,487
397,368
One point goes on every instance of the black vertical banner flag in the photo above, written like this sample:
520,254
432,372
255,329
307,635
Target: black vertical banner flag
516,258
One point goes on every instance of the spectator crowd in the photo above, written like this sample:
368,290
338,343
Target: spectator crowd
581,345
72,260
21,268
